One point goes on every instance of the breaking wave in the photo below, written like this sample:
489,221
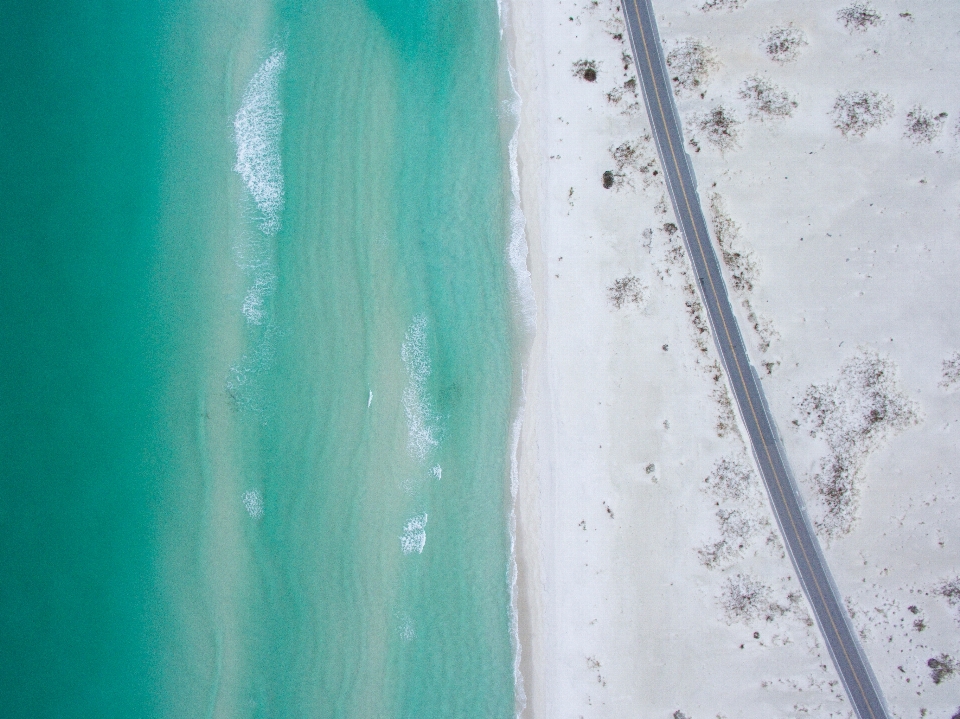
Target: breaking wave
512,573
257,129
414,536
405,628
517,254
244,385
421,437
517,249
253,503
254,303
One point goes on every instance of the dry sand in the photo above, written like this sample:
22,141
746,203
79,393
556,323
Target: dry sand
651,578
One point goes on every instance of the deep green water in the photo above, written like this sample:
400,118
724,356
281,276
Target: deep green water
259,350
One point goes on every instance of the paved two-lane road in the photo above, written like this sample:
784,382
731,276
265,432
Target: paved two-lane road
852,666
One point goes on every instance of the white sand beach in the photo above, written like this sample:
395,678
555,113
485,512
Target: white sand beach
652,581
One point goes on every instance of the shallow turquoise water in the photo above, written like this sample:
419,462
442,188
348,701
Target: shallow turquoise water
259,361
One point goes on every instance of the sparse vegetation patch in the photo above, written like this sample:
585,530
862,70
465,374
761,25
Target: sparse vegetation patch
625,290
854,113
942,667
615,95
923,126
586,70
764,329
744,598
699,319
612,20
726,419
740,262
951,371
719,126
950,591
691,63
722,5
735,525
731,479
627,90
782,44
859,17
736,528
630,155
853,415
632,159
742,266
766,99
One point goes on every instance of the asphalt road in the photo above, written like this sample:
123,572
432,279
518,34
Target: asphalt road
788,507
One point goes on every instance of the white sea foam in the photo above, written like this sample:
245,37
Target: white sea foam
406,629
525,299
517,250
253,503
253,303
421,434
255,253
257,128
520,696
414,536
243,383
414,483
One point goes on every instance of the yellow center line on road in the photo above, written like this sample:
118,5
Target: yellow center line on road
736,361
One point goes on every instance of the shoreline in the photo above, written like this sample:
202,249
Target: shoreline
525,554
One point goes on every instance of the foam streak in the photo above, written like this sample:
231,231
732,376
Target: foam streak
257,128
414,536
421,434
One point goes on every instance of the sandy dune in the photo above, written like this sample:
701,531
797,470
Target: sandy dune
651,578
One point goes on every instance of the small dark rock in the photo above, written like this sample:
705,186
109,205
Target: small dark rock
590,75
608,179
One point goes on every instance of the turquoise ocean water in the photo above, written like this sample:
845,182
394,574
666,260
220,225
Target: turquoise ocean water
260,349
